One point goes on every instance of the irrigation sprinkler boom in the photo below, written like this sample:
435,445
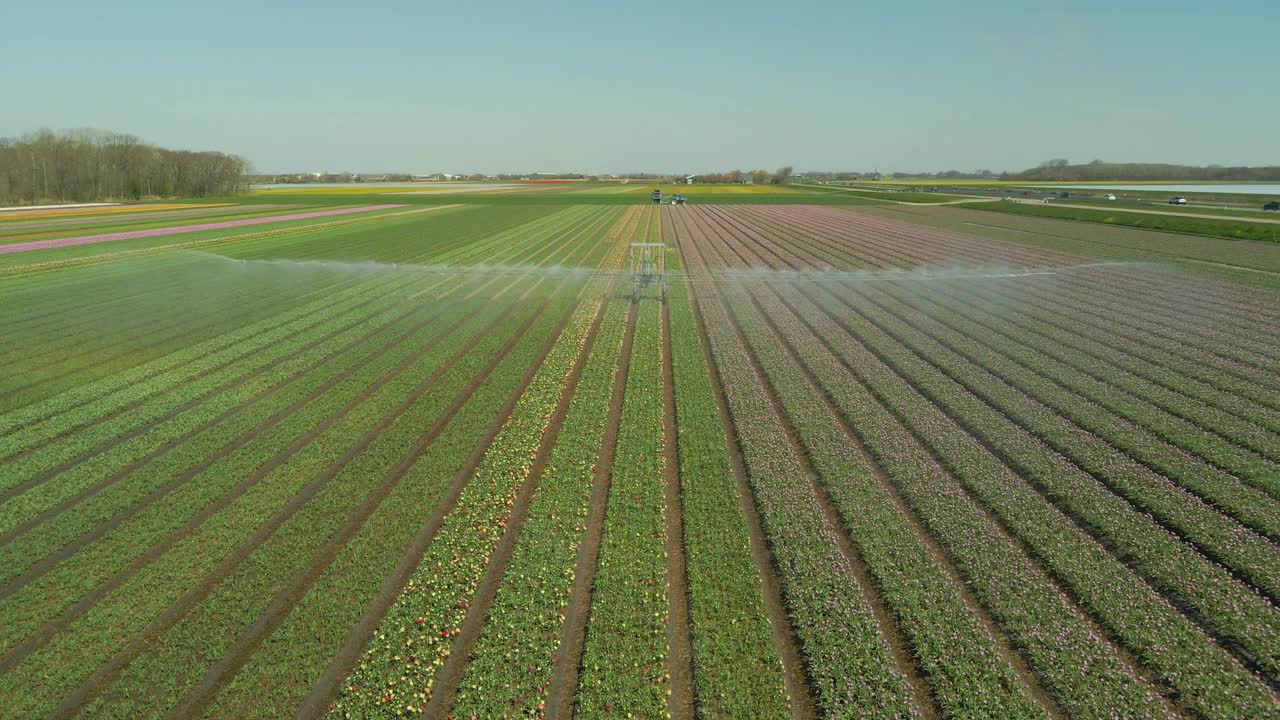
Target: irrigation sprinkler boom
648,267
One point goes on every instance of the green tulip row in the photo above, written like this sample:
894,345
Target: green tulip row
519,646
44,421
624,661
303,647
321,466
278,487
737,668
398,668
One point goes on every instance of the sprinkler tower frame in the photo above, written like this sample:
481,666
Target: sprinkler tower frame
648,267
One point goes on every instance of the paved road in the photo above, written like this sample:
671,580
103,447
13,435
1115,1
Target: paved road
964,198
1269,221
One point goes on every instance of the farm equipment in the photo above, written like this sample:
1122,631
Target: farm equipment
657,197
648,267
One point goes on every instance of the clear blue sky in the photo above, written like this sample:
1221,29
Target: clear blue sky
665,86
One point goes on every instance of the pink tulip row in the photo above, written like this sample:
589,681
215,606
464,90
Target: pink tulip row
158,232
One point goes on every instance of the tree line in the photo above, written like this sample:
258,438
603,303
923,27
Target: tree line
757,177
1060,169
91,165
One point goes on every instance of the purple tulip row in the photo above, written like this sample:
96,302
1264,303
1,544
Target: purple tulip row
957,656
1164,442
1185,411
1141,619
1262,440
1079,668
1215,670
884,247
1009,423
850,664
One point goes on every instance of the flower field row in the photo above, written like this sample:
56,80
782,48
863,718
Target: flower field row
517,649
624,661
849,322
852,667
315,446
738,669
1041,622
456,333
848,464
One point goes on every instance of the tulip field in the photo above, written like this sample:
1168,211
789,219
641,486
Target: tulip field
423,457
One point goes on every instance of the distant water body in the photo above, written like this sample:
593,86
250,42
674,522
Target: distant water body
1195,188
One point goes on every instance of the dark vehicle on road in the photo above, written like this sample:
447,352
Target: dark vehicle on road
1273,205
1178,201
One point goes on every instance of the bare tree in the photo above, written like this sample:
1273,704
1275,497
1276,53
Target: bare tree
83,165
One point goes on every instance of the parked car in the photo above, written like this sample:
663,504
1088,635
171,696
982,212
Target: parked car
1111,196
1178,201
1273,205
